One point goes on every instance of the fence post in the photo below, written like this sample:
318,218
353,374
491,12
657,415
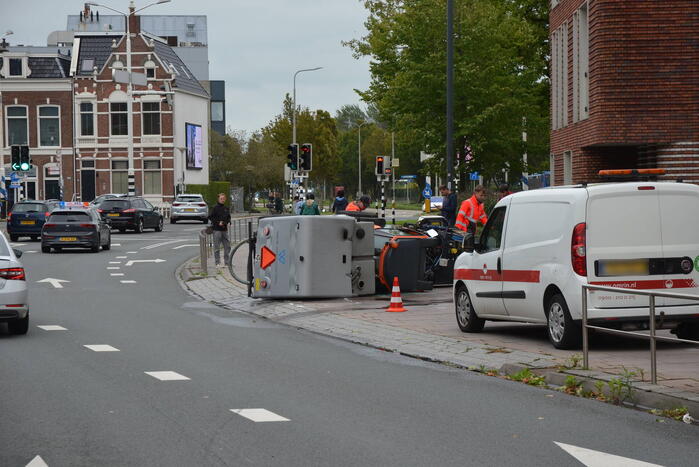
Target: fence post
586,348
653,374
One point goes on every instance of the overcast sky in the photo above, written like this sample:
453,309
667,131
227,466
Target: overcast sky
254,45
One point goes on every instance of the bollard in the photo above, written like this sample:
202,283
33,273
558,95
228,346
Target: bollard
203,253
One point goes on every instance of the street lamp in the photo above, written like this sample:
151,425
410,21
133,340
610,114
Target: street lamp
129,89
293,118
359,153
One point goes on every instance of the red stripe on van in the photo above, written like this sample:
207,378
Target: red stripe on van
651,284
488,275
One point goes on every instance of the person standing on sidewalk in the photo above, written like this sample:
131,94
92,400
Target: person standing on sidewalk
220,217
472,211
448,210
310,208
340,203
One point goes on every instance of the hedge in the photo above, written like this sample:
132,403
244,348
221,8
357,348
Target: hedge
210,192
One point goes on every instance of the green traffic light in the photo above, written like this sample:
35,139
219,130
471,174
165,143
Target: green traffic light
24,166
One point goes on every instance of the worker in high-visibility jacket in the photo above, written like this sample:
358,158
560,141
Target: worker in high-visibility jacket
360,205
472,211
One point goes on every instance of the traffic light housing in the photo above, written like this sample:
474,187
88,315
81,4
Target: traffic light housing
380,166
15,157
24,160
293,156
306,157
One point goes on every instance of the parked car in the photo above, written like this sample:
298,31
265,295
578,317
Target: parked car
76,227
14,303
189,207
539,247
97,201
133,213
26,218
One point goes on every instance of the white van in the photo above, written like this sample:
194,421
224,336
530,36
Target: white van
540,246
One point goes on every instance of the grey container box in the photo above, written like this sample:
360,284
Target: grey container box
313,257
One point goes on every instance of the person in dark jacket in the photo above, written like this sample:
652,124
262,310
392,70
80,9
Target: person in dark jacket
448,205
278,203
340,203
220,217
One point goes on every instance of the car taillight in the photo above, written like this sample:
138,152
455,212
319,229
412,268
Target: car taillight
9,216
12,274
47,214
87,226
201,204
49,225
131,210
578,256
100,211
177,204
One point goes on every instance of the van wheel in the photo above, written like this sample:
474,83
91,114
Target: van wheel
466,316
689,331
564,333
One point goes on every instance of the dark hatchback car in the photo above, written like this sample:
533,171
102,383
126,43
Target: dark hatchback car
75,228
26,219
131,213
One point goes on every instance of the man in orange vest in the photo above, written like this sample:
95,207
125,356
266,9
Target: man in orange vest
360,205
472,211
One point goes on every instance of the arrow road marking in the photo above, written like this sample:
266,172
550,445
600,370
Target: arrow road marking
184,246
51,327
37,462
54,282
592,458
134,261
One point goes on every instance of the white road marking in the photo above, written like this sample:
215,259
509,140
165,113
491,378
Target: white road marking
121,257
102,348
113,268
134,261
591,458
56,283
18,244
37,462
131,252
156,245
31,251
166,375
115,262
116,244
51,327
184,246
128,282
116,274
260,415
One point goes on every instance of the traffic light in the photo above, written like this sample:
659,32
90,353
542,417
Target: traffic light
380,160
306,157
24,161
15,157
293,157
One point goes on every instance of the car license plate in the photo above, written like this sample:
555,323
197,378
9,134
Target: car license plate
28,222
68,239
113,214
190,210
624,268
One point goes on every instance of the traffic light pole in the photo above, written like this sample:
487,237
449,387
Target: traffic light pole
129,111
450,93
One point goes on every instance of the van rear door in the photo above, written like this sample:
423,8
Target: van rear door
623,241
679,224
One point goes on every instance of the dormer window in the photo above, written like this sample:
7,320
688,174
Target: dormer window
15,67
87,65
149,66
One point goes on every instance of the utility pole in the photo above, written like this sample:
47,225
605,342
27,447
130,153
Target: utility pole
450,93
525,174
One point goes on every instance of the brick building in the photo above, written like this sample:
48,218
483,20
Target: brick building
624,87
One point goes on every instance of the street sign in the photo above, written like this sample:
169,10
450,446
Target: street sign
395,162
408,177
474,176
427,192
14,177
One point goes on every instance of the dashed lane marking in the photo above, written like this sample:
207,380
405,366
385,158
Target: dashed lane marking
116,244
184,246
170,242
115,262
51,327
18,244
128,282
167,375
113,268
260,415
102,348
121,257
116,274
31,251
131,252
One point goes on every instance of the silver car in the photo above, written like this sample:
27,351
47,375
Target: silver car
189,208
14,306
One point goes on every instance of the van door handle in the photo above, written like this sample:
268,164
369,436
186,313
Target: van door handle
499,266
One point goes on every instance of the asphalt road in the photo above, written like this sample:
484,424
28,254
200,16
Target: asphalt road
341,404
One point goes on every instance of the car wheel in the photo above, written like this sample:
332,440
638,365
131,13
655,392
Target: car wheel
96,247
45,249
122,230
173,220
108,246
139,225
19,326
35,238
564,333
159,227
689,331
205,221
466,316
14,238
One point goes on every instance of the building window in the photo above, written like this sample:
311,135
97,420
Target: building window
87,65
151,118
17,125
559,78
217,111
87,119
15,67
119,119
150,73
567,168
581,59
152,180
120,179
49,126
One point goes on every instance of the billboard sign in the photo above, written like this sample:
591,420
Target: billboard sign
193,144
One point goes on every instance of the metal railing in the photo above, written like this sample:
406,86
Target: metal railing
237,232
238,229
651,318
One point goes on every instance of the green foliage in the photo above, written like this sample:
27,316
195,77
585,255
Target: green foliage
621,388
526,376
210,192
675,413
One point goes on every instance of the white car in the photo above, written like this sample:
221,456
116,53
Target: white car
189,207
539,247
14,306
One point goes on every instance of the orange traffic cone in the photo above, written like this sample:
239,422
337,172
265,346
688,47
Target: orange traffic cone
396,302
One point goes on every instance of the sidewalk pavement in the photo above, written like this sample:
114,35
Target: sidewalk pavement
428,331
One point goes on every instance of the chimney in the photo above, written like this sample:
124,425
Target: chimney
86,12
134,21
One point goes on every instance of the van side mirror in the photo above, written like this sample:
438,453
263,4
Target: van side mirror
469,243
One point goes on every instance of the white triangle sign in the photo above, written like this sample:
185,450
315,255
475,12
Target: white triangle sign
591,458
37,462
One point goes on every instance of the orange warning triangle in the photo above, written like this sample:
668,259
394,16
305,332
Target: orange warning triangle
268,257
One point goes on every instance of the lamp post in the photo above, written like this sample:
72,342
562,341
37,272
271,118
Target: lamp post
359,154
293,114
129,88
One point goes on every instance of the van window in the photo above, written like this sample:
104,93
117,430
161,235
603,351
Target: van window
536,222
491,237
